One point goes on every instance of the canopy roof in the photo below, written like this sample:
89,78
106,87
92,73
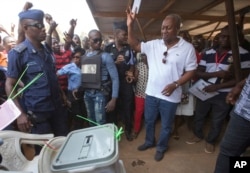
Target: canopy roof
204,17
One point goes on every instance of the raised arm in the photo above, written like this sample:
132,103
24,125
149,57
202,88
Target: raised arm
132,40
12,30
21,35
72,23
50,21
52,29
68,41
2,29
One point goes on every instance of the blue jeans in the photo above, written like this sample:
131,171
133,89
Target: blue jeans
95,102
234,143
154,106
219,111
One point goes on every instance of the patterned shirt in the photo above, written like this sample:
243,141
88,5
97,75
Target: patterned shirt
62,60
242,106
224,63
142,79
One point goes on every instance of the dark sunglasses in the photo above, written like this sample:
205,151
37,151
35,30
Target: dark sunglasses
164,59
37,25
96,40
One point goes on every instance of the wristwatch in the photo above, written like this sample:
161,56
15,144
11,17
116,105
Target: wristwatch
176,84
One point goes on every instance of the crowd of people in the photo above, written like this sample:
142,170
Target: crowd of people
126,81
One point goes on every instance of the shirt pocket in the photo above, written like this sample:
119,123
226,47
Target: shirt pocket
40,86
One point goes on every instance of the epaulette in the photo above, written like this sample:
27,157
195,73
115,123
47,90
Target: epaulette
20,48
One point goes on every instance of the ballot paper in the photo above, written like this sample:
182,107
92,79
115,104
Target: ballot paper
197,90
8,113
136,6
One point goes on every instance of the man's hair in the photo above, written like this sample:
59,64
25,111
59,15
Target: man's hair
176,18
78,49
120,25
94,31
6,39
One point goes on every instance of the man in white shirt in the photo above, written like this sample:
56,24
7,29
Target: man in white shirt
172,62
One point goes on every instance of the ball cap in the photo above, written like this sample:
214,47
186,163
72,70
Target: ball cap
31,14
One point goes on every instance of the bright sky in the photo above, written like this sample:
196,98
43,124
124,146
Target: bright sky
62,12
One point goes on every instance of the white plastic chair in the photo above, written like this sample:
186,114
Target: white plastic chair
13,158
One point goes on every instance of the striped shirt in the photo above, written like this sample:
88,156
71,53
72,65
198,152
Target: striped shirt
225,62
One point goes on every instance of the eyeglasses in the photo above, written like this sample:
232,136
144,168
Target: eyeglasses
164,59
96,40
37,25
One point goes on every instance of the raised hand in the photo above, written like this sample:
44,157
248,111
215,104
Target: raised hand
73,22
27,6
130,16
67,38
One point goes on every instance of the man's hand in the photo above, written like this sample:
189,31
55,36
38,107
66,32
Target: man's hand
48,18
27,6
52,27
211,88
233,95
67,38
120,59
169,89
23,123
129,76
130,16
111,105
74,93
73,22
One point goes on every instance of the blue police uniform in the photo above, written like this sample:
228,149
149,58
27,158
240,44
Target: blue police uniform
125,103
42,98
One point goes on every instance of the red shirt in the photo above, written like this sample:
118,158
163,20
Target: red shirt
199,56
63,59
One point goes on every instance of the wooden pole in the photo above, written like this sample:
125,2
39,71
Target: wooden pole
233,39
213,30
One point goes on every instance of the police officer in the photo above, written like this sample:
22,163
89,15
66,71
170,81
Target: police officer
99,79
125,61
41,99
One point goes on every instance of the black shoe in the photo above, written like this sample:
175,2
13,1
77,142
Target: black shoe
159,156
144,147
128,136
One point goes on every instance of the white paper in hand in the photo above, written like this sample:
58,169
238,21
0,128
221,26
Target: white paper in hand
136,6
197,90
8,113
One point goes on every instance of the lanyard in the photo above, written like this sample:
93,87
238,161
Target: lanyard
217,60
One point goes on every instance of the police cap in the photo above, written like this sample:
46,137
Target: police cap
34,14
